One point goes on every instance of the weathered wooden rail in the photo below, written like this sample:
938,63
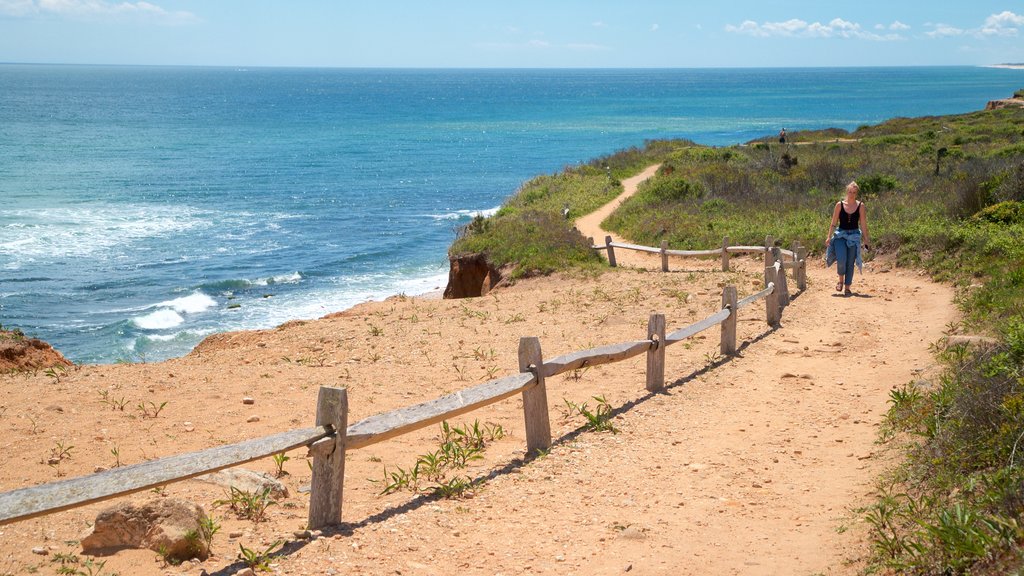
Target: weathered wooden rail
332,436
797,256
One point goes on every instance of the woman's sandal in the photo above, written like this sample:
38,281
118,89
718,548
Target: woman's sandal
848,292
839,286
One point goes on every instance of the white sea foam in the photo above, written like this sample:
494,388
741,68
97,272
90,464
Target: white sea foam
159,320
191,304
83,231
293,278
168,314
466,214
182,335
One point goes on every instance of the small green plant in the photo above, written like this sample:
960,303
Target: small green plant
68,562
400,479
577,374
456,487
258,560
251,505
116,452
151,409
115,404
712,358
598,420
376,331
56,373
169,559
279,460
481,354
72,565
200,540
459,446
58,454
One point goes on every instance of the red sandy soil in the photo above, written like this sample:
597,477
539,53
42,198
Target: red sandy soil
751,465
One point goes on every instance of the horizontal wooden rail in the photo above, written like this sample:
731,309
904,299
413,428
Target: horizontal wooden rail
712,252
755,297
745,249
35,501
397,422
684,333
636,247
595,357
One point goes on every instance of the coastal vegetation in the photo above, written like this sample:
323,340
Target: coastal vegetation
945,195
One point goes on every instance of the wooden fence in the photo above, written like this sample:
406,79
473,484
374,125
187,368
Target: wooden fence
331,436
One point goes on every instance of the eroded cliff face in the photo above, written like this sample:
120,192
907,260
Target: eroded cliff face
1005,103
471,275
17,352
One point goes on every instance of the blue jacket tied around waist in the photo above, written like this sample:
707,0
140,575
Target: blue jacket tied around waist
852,239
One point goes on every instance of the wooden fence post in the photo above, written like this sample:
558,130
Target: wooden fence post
664,255
783,283
328,482
656,355
611,251
771,302
590,241
725,254
535,398
729,299
801,269
769,256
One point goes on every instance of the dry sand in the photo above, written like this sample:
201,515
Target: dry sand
751,466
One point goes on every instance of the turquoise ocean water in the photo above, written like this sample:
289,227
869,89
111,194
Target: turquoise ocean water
142,209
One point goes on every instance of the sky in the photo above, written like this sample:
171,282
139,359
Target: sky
513,34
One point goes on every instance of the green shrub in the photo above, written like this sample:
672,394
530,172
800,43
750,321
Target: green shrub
1008,212
531,242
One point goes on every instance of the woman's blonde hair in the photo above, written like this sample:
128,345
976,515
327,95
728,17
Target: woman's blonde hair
853,185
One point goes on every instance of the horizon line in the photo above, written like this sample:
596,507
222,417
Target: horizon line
499,68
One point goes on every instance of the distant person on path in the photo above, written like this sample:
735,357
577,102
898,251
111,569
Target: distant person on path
782,136
843,244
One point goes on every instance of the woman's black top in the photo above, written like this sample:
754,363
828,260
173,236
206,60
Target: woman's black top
848,221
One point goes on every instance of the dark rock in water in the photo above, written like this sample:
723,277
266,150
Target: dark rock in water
18,352
470,275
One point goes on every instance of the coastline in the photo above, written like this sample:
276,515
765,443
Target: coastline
1005,66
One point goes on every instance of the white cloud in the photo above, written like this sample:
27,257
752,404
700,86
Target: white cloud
655,27
897,25
836,28
943,30
1003,24
599,24
87,9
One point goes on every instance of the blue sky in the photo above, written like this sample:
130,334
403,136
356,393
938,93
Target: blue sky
520,33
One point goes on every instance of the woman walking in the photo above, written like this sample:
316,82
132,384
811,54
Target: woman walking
848,229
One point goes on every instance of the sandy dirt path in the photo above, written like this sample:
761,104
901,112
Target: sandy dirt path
750,465
590,225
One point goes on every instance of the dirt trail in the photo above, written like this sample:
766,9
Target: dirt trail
769,453
590,225
750,466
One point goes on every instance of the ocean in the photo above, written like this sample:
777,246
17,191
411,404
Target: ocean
144,208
